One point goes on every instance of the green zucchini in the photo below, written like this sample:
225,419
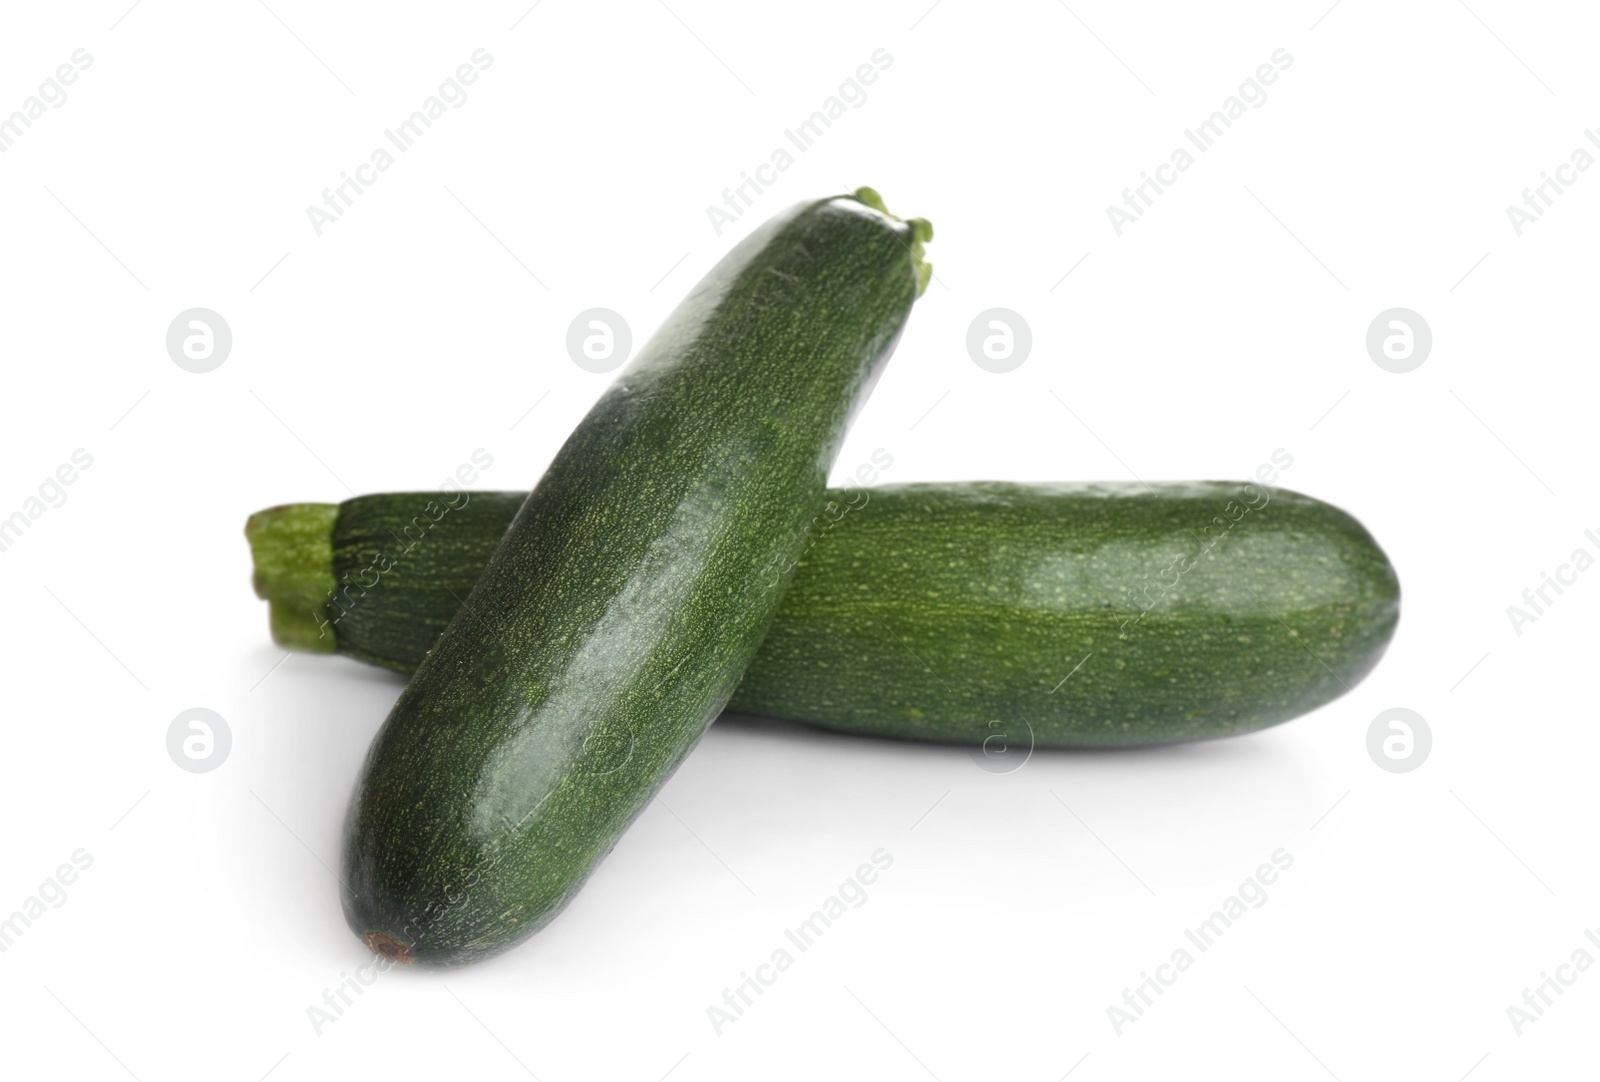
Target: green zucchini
945,612
629,592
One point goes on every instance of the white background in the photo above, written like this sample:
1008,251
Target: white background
425,323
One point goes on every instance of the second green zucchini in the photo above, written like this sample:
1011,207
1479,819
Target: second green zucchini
1067,615
628,594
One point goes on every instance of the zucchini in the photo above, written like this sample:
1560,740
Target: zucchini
628,594
950,612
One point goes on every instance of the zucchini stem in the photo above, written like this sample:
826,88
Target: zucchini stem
292,548
921,234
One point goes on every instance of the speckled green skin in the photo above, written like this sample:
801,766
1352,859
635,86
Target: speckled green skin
1001,590
405,562
938,609
628,595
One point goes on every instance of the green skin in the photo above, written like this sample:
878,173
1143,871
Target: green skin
953,612
629,593
1077,615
